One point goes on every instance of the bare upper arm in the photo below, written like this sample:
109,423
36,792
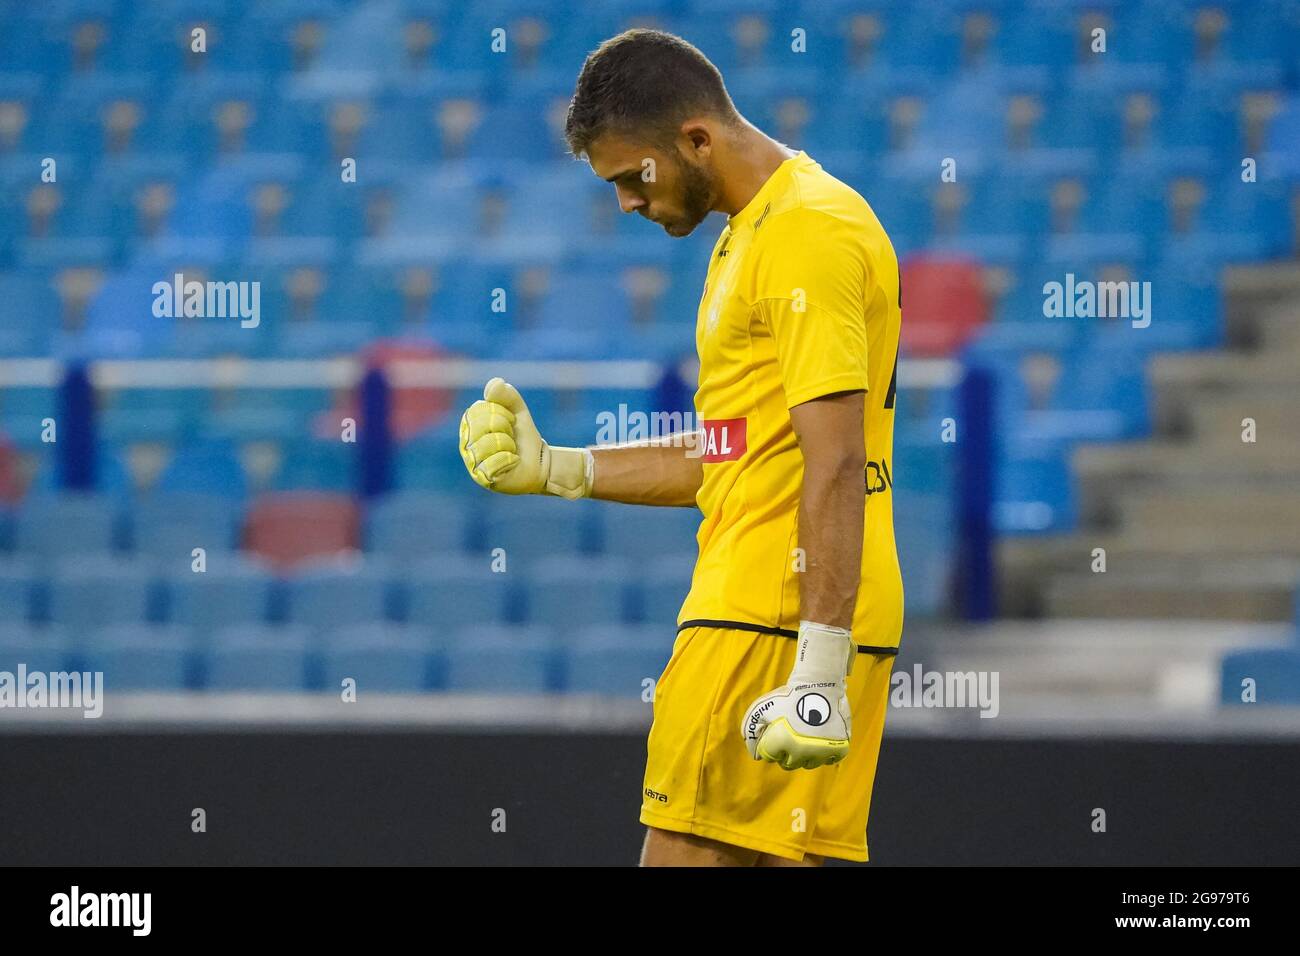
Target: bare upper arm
830,429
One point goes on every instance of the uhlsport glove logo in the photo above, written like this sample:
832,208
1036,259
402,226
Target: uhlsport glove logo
756,718
807,722
813,709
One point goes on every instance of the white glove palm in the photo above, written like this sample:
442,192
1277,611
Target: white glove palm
806,723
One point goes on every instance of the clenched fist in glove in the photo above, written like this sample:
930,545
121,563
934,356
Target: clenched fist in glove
504,452
806,723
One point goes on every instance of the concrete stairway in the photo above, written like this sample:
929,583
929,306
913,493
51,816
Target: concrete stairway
1087,670
1196,522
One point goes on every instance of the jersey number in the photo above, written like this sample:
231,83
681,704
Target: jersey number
893,384
893,379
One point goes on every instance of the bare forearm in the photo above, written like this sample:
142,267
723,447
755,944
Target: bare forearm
667,471
830,534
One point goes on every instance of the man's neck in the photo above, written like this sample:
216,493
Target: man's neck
752,158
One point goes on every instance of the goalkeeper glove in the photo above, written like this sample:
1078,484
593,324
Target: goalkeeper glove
504,452
806,722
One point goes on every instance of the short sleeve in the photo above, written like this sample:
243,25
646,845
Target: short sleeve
810,291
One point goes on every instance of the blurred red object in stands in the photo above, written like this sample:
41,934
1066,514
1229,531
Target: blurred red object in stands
12,484
413,410
286,528
943,304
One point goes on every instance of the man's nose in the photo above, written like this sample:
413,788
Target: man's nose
628,201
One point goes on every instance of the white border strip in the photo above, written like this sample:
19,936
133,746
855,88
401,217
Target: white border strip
405,373
455,712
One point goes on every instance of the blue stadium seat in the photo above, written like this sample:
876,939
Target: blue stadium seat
209,338
374,290
232,591
523,660
414,524
120,427
258,657
443,202
1033,488
1136,203
208,467
193,404
317,339
572,591
1152,32
443,589
591,343
578,424
1259,208
18,584
920,454
616,660
270,423
1283,144
1215,250
27,403
532,530
644,533
88,592
1084,251
1031,35
39,648
335,594
431,462
133,658
1108,381
30,304
923,526
381,657
558,203
55,526
112,480
518,128
663,587
318,464
169,526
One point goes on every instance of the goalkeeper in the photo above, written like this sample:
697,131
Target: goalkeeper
769,715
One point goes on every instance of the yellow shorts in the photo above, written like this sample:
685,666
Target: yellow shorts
700,778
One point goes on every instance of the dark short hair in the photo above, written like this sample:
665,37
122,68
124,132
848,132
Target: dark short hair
644,83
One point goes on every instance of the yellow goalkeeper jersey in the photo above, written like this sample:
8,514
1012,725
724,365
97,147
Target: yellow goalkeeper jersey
801,301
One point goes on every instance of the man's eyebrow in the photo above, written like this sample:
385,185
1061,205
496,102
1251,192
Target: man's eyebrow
620,175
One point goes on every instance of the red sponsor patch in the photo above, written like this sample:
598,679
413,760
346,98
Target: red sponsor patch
724,439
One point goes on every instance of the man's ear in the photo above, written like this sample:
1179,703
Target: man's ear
699,138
